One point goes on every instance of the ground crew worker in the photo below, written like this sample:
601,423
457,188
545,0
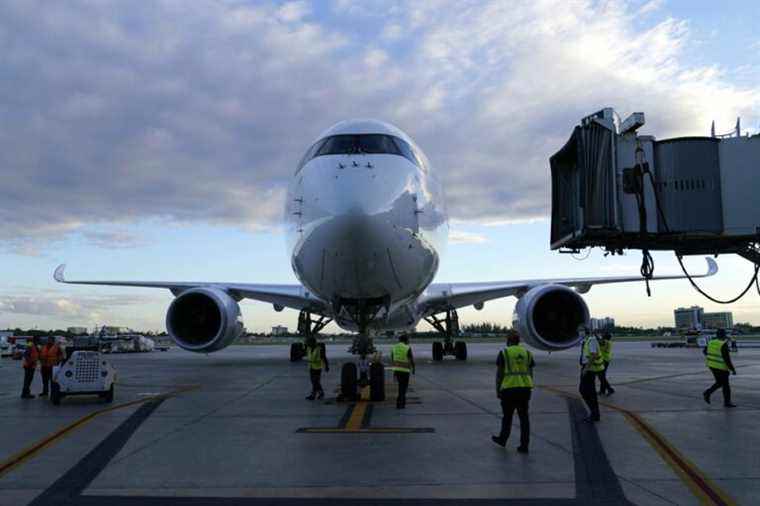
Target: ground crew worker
514,383
605,348
50,356
403,366
591,365
718,360
316,359
29,363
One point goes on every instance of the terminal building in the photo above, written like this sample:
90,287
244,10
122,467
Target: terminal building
279,330
694,317
605,323
689,318
721,320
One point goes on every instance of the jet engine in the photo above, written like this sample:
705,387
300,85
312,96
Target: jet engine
204,320
549,317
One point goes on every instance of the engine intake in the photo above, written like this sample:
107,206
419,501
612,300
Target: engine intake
204,320
550,317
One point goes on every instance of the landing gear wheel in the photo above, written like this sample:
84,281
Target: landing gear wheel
460,350
55,393
437,351
377,382
348,381
296,352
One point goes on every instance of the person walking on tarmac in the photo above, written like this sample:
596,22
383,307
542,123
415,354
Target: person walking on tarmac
605,348
50,356
317,358
591,365
403,366
29,363
718,360
514,383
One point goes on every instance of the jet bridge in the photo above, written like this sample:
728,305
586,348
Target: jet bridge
616,189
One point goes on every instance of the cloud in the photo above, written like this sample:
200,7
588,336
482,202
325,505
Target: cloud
68,308
197,112
461,237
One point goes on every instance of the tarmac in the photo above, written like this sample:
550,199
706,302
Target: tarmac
233,428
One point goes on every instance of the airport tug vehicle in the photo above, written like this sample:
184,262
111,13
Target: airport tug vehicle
85,372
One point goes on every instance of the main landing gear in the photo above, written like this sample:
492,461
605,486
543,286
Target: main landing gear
448,327
308,325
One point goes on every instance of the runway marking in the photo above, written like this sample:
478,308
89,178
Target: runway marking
19,458
356,420
694,478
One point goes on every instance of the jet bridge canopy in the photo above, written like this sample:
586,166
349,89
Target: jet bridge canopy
619,190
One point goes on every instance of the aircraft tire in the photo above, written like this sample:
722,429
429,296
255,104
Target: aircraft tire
348,381
460,350
296,352
377,382
437,351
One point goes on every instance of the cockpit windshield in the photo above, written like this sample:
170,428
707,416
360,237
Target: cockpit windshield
355,144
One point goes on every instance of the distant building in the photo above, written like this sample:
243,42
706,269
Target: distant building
279,330
77,331
689,318
720,320
605,323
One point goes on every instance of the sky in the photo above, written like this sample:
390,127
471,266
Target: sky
154,140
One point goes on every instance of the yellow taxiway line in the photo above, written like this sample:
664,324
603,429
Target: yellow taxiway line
695,479
19,458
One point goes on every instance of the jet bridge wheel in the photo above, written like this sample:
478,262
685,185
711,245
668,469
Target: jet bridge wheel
377,382
437,351
348,381
296,352
460,350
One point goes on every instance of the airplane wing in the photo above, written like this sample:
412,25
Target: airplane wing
291,296
441,296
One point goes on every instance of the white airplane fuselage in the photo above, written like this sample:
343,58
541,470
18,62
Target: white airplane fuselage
366,221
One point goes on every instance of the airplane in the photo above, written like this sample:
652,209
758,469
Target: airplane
366,227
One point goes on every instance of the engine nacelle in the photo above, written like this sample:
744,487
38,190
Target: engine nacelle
550,317
204,320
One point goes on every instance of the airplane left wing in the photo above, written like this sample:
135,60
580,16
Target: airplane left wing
291,296
442,296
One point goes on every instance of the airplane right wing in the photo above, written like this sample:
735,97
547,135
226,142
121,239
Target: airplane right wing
442,296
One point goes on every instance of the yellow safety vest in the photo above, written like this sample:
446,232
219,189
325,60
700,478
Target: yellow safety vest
314,356
605,349
593,364
517,371
400,357
714,358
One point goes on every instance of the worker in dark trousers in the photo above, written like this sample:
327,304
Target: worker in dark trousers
591,365
30,358
317,359
514,383
403,366
718,360
50,356
605,348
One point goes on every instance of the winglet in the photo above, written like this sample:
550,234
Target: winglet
712,267
58,274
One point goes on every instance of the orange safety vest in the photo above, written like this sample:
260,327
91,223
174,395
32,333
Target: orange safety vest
31,355
50,355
